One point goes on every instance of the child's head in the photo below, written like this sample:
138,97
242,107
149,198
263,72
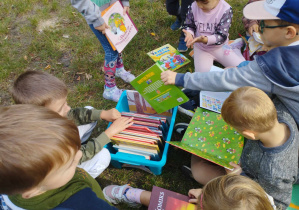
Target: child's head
42,89
39,150
206,5
249,109
233,192
279,21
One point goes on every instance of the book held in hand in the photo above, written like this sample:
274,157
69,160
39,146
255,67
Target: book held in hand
209,137
122,28
161,97
169,200
168,58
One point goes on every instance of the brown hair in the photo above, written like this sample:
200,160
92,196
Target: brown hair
38,88
233,192
34,140
249,108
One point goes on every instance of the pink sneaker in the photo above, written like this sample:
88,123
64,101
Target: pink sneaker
112,93
125,75
116,194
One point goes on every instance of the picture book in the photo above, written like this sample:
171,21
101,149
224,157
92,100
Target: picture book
209,137
169,200
168,58
121,27
161,97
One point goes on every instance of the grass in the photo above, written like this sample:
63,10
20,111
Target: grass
32,38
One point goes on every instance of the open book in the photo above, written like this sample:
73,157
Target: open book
161,97
169,200
168,58
122,28
209,137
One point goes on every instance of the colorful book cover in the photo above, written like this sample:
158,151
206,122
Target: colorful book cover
168,58
161,97
209,137
122,28
168,200
213,100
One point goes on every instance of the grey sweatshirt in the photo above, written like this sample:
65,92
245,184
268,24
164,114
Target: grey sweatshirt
92,12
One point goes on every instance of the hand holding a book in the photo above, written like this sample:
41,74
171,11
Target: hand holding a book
168,77
102,28
118,126
110,115
194,195
253,28
237,169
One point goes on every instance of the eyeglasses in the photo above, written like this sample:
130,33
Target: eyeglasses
262,26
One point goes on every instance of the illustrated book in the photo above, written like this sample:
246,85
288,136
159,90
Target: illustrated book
209,137
122,28
168,58
161,97
169,200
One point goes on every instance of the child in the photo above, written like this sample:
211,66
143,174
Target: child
230,192
43,89
39,153
275,72
206,26
270,155
91,10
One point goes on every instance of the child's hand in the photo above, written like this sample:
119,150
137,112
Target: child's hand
188,38
202,39
253,28
194,195
126,10
110,115
237,169
168,77
102,28
118,126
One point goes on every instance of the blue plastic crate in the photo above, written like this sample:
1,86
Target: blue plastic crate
119,158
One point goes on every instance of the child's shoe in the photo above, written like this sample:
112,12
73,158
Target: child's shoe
182,45
176,25
125,75
180,128
112,93
116,194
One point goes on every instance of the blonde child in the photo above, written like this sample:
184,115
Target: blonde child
113,66
43,89
206,27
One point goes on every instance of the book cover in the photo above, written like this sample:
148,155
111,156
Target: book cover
161,97
209,137
122,28
169,200
168,58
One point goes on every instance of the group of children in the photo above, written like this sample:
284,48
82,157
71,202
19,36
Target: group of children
49,161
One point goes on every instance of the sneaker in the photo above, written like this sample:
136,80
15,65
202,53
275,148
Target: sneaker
117,194
125,75
176,25
237,44
188,108
112,93
182,45
191,94
180,128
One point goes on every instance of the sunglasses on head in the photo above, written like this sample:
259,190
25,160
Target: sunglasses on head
262,26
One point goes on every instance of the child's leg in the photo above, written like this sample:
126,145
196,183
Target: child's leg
111,92
203,171
97,164
203,60
227,56
121,72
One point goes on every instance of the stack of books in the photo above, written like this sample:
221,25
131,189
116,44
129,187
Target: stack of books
144,137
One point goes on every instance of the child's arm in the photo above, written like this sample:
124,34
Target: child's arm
250,25
189,26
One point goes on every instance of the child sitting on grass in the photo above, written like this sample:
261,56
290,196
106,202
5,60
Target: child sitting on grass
270,155
43,89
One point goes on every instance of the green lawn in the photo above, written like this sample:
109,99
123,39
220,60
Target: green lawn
51,36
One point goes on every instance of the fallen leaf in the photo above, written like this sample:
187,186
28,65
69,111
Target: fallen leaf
66,36
88,76
74,13
47,67
153,34
80,73
78,78
5,37
25,57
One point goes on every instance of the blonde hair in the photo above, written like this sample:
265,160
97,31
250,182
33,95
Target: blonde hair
249,108
38,88
33,141
233,192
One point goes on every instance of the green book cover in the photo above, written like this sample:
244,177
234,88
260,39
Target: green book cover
168,58
209,137
161,97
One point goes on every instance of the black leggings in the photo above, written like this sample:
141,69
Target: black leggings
173,8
